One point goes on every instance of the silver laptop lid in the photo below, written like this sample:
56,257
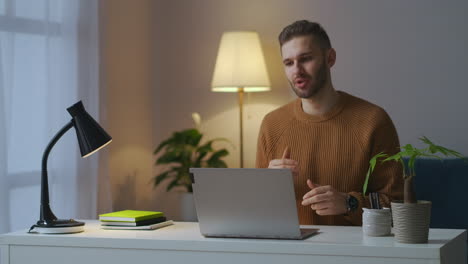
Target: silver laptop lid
245,202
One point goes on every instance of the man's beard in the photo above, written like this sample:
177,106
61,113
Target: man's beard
313,89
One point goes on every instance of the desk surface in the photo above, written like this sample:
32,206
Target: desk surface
346,241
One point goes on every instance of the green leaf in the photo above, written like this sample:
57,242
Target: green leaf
205,148
216,164
411,163
372,164
163,144
202,152
183,152
430,156
173,184
396,157
433,148
408,148
426,140
168,157
454,153
219,154
161,177
190,137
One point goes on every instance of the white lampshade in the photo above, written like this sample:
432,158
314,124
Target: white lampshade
240,64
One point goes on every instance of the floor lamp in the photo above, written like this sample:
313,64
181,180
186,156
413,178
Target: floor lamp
240,67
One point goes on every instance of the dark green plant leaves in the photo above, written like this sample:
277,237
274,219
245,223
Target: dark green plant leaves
161,177
219,154
432,151
182,151
169,157
372,164
163,144
173,184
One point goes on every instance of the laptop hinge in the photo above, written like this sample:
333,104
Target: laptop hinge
192,178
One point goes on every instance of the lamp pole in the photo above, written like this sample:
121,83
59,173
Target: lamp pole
240,67
241,137
46,215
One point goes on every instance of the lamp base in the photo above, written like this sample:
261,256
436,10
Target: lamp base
59,226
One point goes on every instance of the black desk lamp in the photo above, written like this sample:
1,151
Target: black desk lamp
91,138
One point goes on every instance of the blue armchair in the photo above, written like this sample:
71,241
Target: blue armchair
445,183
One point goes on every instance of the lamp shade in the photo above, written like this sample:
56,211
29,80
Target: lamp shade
91,136
240,64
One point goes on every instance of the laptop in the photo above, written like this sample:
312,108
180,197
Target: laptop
246,203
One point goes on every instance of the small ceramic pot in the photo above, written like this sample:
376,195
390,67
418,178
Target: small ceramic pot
376,222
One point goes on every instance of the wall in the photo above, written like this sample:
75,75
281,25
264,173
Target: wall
410,57
126,36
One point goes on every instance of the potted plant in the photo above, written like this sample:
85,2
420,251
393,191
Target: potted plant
181,151
411,217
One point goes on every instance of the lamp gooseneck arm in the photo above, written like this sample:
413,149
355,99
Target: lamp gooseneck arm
46,212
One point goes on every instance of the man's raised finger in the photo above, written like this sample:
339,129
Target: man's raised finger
286,153
312,185
291,167
277,162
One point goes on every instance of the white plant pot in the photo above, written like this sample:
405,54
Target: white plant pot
411,221
187,208
376,222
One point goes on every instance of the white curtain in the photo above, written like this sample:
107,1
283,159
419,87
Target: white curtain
48,61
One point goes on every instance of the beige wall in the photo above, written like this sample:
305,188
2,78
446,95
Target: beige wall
160,57
126,35
387,53
188,38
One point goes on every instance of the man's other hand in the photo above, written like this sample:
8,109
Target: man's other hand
325,200
285,162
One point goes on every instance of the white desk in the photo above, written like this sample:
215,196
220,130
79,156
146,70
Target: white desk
182,243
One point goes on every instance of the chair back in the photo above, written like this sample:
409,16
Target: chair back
445,184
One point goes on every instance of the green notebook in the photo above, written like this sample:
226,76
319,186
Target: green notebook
129,216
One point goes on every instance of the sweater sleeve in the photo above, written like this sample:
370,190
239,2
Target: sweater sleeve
387,178
262,160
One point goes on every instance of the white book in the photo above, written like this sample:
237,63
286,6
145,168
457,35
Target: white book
139,223
143,227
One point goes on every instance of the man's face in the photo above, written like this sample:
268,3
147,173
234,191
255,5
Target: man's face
305,66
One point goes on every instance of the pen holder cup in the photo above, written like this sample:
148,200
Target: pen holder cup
376,222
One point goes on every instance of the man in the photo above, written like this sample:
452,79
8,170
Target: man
327,137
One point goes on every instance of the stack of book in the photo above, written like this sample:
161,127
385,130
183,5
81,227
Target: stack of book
133,219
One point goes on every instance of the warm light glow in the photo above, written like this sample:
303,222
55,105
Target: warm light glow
96,150
237,89
240,64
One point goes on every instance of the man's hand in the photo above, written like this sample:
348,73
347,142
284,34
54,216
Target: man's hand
325,200
285,162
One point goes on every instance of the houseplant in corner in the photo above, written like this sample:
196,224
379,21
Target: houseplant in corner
411,218
183,150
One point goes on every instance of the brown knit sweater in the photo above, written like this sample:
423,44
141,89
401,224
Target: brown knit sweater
334,149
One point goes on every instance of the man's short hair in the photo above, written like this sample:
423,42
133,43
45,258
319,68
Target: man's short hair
305,28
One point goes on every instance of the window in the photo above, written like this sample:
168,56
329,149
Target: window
39,75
